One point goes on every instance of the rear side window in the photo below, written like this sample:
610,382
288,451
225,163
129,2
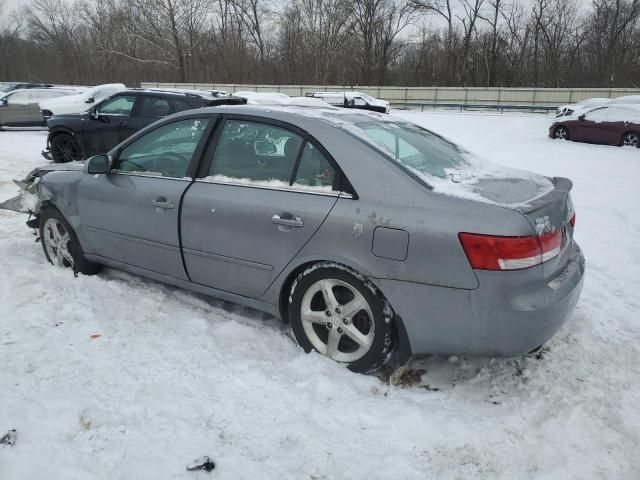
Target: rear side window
156,107
120,105
181,105
165,151
250,152
416,148
314,171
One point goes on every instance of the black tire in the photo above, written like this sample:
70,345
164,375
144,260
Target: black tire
65,148
561,133
73,258
347,285
631,139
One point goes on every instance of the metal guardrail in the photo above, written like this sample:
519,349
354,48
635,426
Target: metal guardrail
496,97
476,106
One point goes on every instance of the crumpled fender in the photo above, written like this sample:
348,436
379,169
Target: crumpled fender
33,193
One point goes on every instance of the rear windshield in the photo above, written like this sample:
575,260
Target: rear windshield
416,148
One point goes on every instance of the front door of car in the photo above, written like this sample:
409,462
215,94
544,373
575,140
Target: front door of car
594,127
264,195
131,214
103,130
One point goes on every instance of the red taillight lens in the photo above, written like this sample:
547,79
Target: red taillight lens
488,252
573,220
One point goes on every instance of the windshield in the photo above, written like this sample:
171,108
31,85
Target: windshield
7,87
367,97
416,148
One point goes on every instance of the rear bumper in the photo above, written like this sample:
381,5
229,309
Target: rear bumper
509,314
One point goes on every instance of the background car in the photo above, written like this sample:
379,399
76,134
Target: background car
351,226
100,128
627,100
352,99
80,102
9,86
617,124
569,109
20,108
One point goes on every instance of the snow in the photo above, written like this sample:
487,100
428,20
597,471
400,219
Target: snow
174,376
273,184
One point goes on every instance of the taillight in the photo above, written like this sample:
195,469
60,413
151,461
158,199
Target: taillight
489,252
573,220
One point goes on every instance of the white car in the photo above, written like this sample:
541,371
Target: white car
571,108
627,100
81,102
351,99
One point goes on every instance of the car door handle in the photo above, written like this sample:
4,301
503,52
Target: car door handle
288,222
162,202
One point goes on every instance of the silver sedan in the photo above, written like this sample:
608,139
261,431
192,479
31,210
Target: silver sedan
367,234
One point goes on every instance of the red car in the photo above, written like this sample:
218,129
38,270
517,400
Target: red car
611,125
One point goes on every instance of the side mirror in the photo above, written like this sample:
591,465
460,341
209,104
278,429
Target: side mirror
97,164
4,101
581,117
90,100
94,114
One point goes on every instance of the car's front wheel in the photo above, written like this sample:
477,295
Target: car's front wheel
60,244
65,148
343,316
561,133
631,139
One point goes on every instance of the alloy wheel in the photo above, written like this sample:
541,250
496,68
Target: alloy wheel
560,133
66,149
337,320
57,243
631,140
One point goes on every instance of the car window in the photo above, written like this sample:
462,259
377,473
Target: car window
315,172
156,107
414,147
599,114
120,105
255,152
19,98
180,105
165,151
359,102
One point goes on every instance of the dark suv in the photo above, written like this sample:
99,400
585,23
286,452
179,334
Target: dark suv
105,125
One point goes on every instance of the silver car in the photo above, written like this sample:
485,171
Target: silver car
367,234
20,108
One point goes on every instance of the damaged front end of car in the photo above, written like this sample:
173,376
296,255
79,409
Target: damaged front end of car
33,193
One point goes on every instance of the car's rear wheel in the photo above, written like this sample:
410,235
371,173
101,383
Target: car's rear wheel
60,244
343,316
631,139
65,148
561,133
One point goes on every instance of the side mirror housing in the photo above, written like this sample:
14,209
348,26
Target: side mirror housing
94,114
90,100
97,164
581,117
4,101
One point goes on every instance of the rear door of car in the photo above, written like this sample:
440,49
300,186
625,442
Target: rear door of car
149,109
130,215
263,191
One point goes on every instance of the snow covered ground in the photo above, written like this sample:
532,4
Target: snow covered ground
118,377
